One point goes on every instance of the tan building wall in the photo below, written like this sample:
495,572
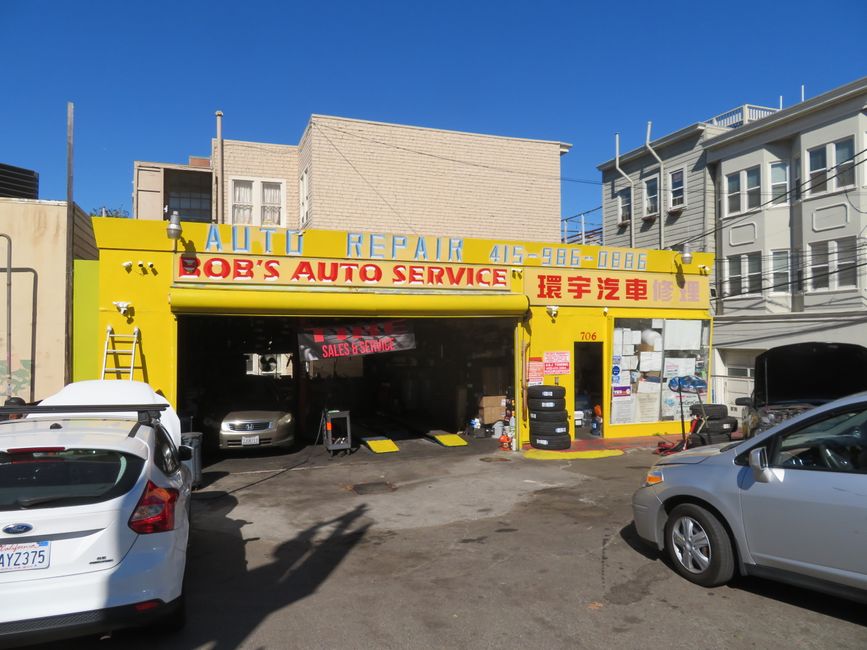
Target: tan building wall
395,178
39,261
259,161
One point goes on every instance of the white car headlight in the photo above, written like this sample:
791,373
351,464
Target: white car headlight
654,477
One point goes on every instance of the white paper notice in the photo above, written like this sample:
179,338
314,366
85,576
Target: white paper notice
621,379
628,349
618,341
648,407
649,387
678,367
683,335
657,323
623,410
650,361
636,337
629,362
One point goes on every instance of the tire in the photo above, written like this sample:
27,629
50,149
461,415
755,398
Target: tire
550,442
548,416
711,562
549,428
726,425
547,404
538,392
711,411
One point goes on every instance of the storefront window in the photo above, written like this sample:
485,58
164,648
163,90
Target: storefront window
647,353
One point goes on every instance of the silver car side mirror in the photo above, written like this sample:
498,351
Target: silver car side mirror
759,465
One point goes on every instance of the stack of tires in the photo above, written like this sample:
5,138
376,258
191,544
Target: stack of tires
549,420
714,424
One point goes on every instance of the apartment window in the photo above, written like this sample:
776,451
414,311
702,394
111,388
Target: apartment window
678,190
833,264
754,188
304,197
624,204
844,152
257,202
242,202
651,196
818,170
780,271
779,183
744,274
733,183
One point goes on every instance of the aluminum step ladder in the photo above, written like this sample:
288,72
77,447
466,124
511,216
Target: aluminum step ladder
129,344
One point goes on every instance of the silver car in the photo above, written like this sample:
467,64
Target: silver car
789,504
252,429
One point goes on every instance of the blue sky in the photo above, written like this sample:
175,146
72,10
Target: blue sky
146,78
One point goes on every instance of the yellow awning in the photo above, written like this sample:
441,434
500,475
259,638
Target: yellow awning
318,303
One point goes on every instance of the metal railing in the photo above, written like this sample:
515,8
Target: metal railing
741,115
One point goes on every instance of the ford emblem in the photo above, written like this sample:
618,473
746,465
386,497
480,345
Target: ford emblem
17,529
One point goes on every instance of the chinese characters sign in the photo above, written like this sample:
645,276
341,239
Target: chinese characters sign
615,289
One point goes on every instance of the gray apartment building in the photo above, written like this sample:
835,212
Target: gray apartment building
347,174
779,197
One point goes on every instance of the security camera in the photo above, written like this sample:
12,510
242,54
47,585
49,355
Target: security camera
140,264
552,310
150,265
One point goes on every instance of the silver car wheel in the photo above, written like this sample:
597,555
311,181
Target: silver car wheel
691,545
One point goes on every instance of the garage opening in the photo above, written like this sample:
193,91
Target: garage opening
438,377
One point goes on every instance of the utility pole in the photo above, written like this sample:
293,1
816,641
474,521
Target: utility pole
70,224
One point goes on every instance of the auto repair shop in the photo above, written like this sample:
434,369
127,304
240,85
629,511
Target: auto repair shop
411,334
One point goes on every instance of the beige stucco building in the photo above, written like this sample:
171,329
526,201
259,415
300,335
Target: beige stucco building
44,246
361,175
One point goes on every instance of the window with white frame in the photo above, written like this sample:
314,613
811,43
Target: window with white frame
257,202
304,197
779,183
733,193
744,274
844,152
754,187
651,196
780,281
818,170
677,193
624,205
833,264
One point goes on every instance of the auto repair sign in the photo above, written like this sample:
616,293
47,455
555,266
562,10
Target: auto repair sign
359,339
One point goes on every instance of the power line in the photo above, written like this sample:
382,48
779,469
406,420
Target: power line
798,187
459,161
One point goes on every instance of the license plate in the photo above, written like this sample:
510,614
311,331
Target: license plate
249,440
22,557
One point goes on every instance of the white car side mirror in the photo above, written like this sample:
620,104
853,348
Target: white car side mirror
759,465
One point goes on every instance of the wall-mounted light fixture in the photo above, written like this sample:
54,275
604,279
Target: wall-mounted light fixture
123,307
686,255
605,311
174,230
552,310
127,265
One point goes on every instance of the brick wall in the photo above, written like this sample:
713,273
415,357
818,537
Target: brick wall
385,177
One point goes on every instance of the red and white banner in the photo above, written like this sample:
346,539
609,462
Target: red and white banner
357,339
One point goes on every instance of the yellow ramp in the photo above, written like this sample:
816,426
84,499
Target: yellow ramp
447,439
545,454
380,444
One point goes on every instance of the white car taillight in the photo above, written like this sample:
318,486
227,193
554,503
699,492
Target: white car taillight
155,511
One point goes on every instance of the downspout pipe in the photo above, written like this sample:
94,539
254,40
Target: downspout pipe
661,187
631,190
220,189
8,313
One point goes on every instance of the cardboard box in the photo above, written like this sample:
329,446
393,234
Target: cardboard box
488,401
491,414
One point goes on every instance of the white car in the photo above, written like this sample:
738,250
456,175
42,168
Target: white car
94,514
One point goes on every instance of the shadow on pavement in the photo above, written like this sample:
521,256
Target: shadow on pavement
231,598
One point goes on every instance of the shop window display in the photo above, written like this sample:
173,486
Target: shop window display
647,353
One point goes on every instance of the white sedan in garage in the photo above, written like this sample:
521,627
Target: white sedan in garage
94,514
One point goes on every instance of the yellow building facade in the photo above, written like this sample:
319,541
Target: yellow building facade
609,325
